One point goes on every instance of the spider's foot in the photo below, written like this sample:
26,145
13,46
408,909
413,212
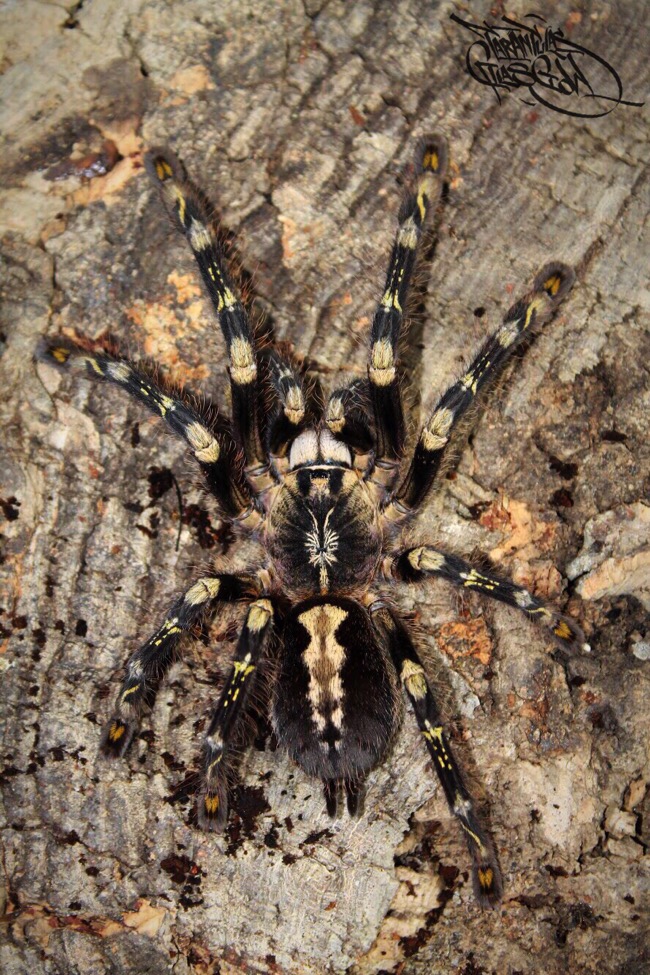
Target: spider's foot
486,876
568,634
565,630
117,736
212,809
555,279
55,351
434,155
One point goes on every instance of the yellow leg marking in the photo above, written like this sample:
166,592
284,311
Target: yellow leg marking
258,616
469,381
243,668
209,455
391,300
163,169
563,631
535,304
382,363
486,878
199,236
426,560
413,678
475,578
430,160
61,355
96,366
435,736
130,690
552,284
119,371
435,434
116,731
202,590
422,206
181,205
473,835
408,234
211,804
242,361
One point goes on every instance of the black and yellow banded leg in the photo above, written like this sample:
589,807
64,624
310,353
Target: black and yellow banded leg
387,322
215,450
192,215
550,287
416,564
486,874
347,416
222,732
147,666
288,413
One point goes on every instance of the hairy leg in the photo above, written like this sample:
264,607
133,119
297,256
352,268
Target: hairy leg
418,564
147,666
222,731
550,287
486,873
217,454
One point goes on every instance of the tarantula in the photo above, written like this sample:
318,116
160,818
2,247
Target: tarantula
324,492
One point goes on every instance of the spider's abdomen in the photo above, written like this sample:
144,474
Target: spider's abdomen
323,533
336,700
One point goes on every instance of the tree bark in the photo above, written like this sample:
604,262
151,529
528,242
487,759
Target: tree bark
300,120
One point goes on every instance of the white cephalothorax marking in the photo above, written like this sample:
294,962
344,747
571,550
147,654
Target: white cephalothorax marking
333,451
324,659
304,449
311,447
322,547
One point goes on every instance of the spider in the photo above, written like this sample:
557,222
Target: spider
324,489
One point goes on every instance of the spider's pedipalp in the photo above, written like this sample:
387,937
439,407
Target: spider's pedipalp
288,411
348,418
486,874
550,287
389,316
190,210
215,450
146,667
419,563
213,800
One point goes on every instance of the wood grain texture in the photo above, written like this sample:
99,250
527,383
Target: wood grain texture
299,119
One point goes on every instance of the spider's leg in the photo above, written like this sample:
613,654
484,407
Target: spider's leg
486,873
347,416
213,802
146,667
288,411
417,564
387,322
191,212
551,285
215,450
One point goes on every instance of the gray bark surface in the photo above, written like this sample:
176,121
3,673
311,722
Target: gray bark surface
299,119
